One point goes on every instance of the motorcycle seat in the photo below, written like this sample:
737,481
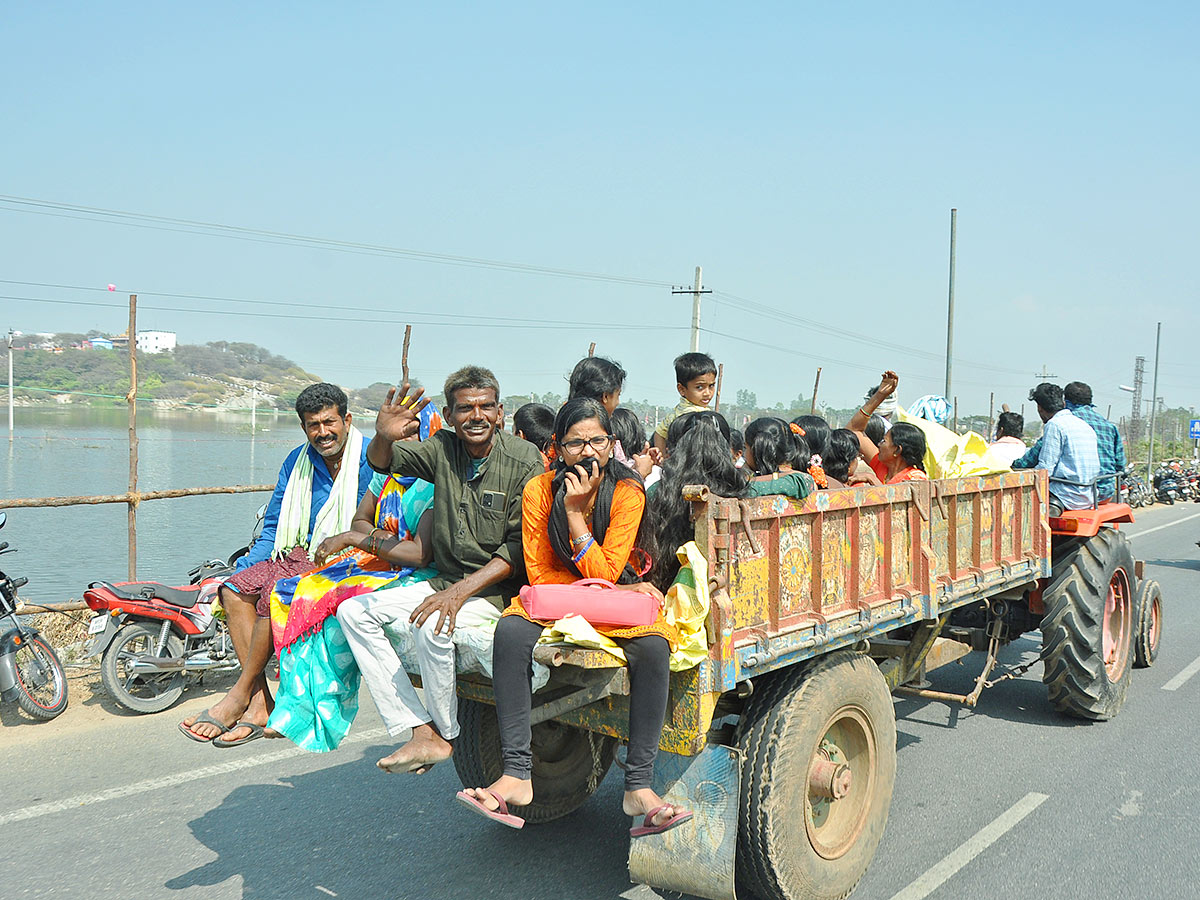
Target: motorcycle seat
145,591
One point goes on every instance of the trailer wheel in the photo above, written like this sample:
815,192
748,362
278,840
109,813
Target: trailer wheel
568,763
817,778
1088,628
1148,612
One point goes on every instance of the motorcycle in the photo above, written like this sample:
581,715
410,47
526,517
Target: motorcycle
1167,485
152,638
1134,490
30,671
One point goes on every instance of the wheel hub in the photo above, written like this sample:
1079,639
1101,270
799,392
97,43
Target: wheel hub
827,779
1118,623
838,801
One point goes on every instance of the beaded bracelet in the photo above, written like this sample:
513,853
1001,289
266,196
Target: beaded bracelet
583,551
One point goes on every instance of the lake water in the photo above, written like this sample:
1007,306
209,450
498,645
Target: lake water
72,451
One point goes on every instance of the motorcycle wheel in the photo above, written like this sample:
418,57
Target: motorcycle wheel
41,680
140,693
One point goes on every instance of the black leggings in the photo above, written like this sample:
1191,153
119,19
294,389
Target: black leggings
512,675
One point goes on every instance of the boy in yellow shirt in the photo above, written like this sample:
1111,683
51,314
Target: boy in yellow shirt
696,381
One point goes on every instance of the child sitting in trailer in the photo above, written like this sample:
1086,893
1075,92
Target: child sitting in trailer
696,381
534,422
631,447
776,455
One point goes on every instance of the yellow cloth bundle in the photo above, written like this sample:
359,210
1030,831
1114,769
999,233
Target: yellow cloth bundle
950,455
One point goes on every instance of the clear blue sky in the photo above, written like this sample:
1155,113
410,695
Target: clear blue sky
807,158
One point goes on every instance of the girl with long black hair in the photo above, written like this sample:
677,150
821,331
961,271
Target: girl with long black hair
778,455
698,452
581,520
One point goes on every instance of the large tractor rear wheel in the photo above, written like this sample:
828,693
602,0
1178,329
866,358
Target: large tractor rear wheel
1089,625
820,764
568,763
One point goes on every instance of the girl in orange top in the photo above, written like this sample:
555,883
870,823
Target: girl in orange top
580,520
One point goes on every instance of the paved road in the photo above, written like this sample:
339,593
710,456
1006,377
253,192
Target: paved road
127,808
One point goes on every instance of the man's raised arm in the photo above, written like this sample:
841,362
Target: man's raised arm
397,419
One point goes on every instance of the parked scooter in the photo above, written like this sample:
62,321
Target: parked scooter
153,638
1168,486
30,671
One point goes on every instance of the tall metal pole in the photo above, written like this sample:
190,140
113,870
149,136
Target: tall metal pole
950,305
1153,410
10,387
696,313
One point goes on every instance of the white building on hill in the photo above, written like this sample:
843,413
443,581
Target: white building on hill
155,341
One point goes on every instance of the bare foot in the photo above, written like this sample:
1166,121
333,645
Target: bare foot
271,733
418,756
227,709
257,713
640,802
515,791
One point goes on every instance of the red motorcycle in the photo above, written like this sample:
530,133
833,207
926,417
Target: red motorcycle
152,638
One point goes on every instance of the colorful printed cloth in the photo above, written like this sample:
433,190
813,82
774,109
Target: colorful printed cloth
302,603
318,677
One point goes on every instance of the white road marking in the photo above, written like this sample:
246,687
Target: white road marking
1177,682
154,784
984,838
1161,527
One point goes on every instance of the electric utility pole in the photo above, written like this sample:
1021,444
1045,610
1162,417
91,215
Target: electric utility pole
950,304
1153,410
695,291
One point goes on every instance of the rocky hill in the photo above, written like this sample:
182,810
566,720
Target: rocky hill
220,374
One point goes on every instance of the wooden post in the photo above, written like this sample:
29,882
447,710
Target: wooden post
131,397
592,349
956,415
404,352
991,415
816,384
717,396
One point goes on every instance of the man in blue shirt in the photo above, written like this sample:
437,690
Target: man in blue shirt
1068,451
1111,450
313,499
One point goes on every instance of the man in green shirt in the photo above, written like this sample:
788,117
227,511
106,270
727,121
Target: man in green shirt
478,473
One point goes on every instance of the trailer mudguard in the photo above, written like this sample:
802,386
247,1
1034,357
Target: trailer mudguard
697,857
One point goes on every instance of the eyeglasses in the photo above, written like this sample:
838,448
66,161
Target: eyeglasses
599,443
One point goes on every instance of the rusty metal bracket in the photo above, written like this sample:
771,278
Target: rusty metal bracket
938,497
902,668
755,547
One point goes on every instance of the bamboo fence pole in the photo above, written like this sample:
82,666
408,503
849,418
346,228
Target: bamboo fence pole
94,499
133,438
404,352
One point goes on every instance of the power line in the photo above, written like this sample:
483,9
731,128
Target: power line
262,235
542,325
772,312
284,303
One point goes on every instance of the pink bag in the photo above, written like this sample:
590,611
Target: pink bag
602,605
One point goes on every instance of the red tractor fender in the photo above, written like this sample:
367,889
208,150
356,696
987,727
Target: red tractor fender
1087,522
